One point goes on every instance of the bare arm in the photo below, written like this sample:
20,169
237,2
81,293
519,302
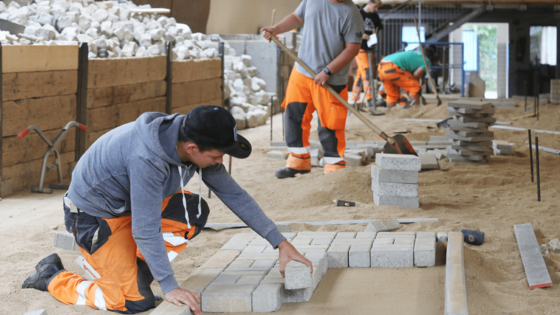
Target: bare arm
341,61
290,22
419,73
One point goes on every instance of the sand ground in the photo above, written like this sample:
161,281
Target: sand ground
490,197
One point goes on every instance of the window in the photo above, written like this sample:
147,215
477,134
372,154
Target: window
470,40
543,45
410,35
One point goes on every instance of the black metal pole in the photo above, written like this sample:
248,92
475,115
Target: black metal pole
525,95
221,52
169,80
271,116
81,98
538,171
531,155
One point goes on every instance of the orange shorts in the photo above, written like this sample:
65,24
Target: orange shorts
394,79
362,75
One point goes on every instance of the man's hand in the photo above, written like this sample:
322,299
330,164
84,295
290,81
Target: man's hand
321,78
289,253
268,32
182,297
366,36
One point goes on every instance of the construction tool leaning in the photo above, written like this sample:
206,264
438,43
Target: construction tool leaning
130,215
331,38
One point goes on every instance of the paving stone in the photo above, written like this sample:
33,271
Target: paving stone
304,295
398,162
470,104
393,176
241,264
425,249
298,276
311,248
288,235
264,264
37,312
392,189
259,241
338,256
353,160
278,155
345,235
302,241
254,249
455,285
224,279
65,240
382,225
317,234
533,261
429,162
477,148
222,259
395,235
398,201
384,241
298,296
227,298
359,256
321,241
320,258
258,256
392,256
268,297
370,235
352,241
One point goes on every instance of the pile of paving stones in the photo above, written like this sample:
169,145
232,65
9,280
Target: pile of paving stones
469,130
252,281
394,180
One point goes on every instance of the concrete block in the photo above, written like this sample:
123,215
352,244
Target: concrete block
470,104
321,241
352,241
392,256
370,235
278,155
258,256
455,284
338,256
298,276
304,295
302,241
359,256
227,298
395,235
398,162
392,189
384,241
320,258
398,201
393,176
240,265
263,264
259,242
533,261
297,296
353,160
425,249
317,234
311,248
289,235
345,235
268,297
65,240
429,162
254,249
37,312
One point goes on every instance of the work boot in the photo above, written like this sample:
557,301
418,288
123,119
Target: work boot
286,172
46,268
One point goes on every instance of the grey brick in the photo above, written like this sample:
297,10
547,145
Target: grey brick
345,235
392,256
298,276
317,234
224,279
268,297
65,240
455,285
393,176
304,295
321,258
353,160
395,235
384,241
254,249
338,256
425,249
240,264
297,296
259,242
429,162
397,201
370,235
321,241
359,256
352,241
227,298
401,162
264,264
301,241
391,189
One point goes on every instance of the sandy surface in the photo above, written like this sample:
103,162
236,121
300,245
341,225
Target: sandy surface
491,197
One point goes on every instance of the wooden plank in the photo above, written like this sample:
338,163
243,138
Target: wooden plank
47,113
32,147
102,118
22,85
455,284
123,71
533,261
196,92
185,109
1,122
33,58
121,94
198,69
25,175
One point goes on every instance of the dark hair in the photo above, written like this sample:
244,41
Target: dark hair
183,138
431,53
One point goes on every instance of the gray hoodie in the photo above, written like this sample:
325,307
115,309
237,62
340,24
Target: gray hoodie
132,168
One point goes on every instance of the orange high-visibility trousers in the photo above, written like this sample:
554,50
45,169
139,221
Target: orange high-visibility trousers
303,97
124,285
395,78
362,75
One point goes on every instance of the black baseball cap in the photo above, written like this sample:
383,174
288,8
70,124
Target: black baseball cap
215,127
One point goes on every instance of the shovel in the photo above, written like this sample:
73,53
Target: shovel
426,64
396,145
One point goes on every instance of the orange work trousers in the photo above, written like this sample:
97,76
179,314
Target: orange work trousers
303,97
124,285
394,78
362,81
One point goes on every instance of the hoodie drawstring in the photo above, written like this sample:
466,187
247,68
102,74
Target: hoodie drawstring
183,192
199,193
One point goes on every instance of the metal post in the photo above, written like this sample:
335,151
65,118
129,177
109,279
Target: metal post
538,171
221,52
531,155
81,98
1,118
271,116
169,80
525,94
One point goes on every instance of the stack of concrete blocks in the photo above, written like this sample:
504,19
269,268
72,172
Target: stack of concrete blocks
555,91
395,180
502,147
469,130
504,102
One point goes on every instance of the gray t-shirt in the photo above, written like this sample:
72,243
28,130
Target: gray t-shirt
327,28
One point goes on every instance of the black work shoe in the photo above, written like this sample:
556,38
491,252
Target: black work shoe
288,172
46,268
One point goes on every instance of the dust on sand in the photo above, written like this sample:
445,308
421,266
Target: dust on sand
490,197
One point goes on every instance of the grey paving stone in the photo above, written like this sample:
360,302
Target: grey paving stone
258,256
384,241
317,234
370,235
278,155
392,256
65,240
398,201
429,162
398,162
359,256
352,241
37,312
470,104
425,249
268,297
227,298
393,176
302,241
338,256
297,296
533,261
289,235
240,264
392,189
321,258
254,249
311,248
395,234
353,160
375,226
224,279
259,242
321,241
455,285
264,264
298,276
345,235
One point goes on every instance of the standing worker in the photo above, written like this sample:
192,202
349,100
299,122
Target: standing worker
372,27
331,38
404,70
130,215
